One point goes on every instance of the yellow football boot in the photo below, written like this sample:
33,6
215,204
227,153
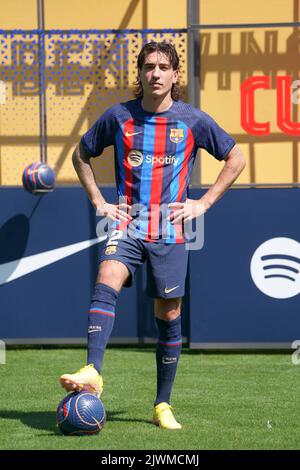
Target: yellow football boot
86,379
163,417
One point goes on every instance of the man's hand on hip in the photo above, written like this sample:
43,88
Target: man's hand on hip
188,210
115,211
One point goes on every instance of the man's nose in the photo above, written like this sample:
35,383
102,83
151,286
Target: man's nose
156,71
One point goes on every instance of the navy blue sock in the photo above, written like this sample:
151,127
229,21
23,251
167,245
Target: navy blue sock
167,356
100,323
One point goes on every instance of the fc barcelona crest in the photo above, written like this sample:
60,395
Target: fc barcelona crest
176,135
110,250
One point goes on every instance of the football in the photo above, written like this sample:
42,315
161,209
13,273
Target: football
38,178
80,413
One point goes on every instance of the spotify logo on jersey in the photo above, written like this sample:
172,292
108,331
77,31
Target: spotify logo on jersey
135,158
275,267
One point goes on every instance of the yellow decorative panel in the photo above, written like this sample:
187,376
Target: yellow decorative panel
18,14
120,14
93,14
241,11
167,14
228,58
16,159
273,163
84,75
210,168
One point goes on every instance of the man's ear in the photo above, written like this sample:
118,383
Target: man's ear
175,76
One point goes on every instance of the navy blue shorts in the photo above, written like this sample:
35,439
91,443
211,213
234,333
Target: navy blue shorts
166,263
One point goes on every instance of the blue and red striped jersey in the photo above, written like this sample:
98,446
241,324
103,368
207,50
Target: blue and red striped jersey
154,157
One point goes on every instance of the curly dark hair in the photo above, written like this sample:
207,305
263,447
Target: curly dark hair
166,49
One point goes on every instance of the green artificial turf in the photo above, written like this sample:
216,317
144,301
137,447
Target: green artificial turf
224,401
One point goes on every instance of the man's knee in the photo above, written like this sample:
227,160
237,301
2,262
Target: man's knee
167,309
113,273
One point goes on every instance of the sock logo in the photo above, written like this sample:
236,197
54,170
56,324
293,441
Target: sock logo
169,360
94,329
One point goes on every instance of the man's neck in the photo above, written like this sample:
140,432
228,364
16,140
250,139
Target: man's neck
158,105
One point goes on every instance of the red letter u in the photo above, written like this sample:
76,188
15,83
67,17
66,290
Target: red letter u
248,88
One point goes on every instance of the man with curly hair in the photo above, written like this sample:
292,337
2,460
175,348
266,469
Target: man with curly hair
156,137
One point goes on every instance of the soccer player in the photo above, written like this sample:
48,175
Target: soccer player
155,139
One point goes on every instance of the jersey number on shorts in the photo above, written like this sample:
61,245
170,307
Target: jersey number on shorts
113,239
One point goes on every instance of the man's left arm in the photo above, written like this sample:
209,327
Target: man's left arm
234,165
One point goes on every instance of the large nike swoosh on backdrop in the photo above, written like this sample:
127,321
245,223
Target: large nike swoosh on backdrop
20,267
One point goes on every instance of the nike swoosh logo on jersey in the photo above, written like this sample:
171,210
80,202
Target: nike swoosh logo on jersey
129,134
20,267
167,291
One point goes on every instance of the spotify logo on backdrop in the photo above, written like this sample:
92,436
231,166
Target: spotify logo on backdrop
275,267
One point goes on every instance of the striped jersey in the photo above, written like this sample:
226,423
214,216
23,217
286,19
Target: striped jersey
154,157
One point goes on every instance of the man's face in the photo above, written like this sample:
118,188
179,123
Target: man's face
157,75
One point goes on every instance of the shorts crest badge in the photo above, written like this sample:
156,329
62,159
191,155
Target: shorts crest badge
110,250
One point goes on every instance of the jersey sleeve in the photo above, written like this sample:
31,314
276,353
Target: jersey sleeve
211,137
101,134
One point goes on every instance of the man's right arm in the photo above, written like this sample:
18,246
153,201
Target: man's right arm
83,168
